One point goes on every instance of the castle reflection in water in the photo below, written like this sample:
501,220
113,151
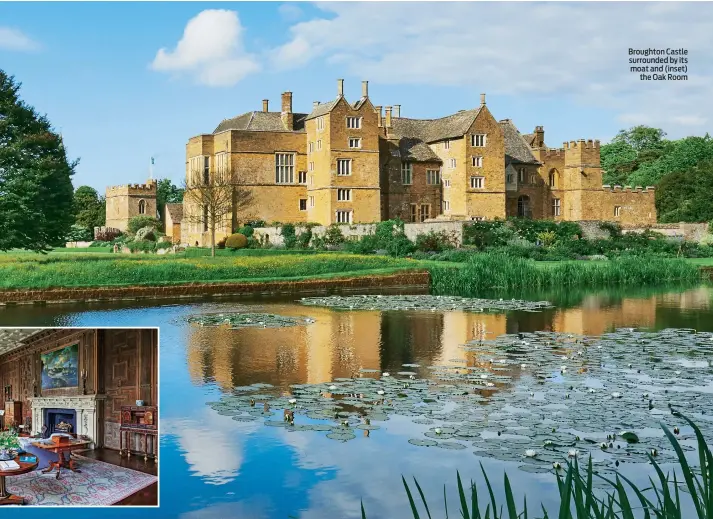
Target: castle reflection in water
340,343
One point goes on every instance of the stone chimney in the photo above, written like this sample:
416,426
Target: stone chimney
340,88
387,122
397,110
379,116
482,99
539,137
265,103
315,104
365,89
287,115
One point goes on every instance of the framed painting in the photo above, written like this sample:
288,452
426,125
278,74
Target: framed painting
60,367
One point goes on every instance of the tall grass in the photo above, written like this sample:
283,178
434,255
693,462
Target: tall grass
497,272
89,270
578,499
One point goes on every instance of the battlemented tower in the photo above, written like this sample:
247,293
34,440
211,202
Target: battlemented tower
125,202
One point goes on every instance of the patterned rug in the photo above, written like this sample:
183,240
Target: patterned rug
98,484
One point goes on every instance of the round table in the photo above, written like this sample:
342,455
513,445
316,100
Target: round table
25,467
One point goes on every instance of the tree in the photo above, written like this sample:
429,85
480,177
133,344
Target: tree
685,196
167,193
89,208
211,197
629,150
36,192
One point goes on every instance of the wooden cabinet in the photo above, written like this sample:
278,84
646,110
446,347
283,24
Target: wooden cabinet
13,413
142,421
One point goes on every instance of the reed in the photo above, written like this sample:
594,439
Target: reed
497,272
579,500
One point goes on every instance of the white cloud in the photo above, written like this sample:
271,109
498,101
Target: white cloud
211,50
578,50
290,12
15,39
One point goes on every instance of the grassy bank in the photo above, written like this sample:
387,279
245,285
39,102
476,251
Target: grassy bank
497,272
64,270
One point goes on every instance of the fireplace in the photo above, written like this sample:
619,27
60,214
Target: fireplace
52,417
87,415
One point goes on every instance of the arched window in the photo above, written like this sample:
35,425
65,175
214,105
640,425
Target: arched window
523,207
142,207
554,178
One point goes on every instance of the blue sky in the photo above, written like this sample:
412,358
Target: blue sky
97,69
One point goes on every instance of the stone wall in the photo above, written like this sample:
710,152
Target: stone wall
686,231
355,232
413,279
77,244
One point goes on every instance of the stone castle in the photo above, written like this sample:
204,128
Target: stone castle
360,163
125,202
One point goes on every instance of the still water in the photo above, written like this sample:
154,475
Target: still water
213,466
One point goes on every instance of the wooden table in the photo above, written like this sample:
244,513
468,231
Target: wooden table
25,467
60,449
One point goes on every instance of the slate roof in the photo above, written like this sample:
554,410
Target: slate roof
517,149
261,122
433,130
416,150
529,138
176,212
321,109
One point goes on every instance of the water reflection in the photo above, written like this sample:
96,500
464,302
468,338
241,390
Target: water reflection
340,343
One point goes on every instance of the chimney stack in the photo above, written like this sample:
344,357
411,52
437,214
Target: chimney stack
539,137
387,123
264,105
365,89
287,115
397,110
340,88
379,116
482,99
315,104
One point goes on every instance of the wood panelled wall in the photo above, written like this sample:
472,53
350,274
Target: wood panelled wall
121,364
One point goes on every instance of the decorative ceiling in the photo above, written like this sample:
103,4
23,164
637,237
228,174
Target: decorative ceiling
11,338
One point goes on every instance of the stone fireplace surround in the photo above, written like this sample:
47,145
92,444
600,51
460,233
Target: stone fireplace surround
88,414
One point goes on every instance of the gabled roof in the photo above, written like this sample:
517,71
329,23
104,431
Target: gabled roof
176,212
261,122
529,138
433,130
414,150
517,149
321,109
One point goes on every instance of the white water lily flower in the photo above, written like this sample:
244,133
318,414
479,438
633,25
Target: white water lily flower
332,388
380,392
438,430
615,394
523,366
603,446
484,376
385,375
548,443
573,453
677,372
489,384
556,465
592,390
293,400
563,368
412,377
530,453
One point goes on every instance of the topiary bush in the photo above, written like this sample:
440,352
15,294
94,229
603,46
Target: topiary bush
145,234
236,241
139,222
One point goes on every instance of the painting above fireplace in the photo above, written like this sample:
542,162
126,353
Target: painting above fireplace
60,367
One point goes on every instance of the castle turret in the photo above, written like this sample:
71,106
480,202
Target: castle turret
127,201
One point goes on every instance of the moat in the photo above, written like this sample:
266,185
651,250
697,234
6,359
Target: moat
220,456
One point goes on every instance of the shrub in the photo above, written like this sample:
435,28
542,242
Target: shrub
142,246
108,235
139,222
613,228
236,241
100,244
288,236
246,231
221,243
547,238
333,236
145,234
304,238
435,241
79,233
487,234
255,223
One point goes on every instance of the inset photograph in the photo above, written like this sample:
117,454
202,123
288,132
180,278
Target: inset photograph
79,417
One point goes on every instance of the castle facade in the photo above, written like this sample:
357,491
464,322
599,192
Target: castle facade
125,202
360,163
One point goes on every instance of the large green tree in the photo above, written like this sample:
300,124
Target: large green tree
629,151
167,193
685,196
35,176
89,208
